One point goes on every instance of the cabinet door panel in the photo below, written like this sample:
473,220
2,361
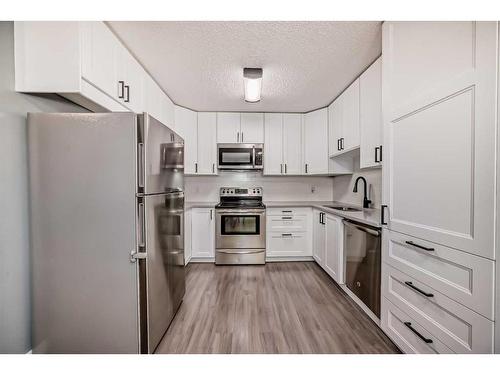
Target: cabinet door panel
350,117
252,128
202,233
99,57
334,261
440,140
228,127
273,144
334,126
316,141
131,73
187,126
207,143
319,238
370,114
292,143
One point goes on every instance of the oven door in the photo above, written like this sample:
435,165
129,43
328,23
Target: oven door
240,229
237,156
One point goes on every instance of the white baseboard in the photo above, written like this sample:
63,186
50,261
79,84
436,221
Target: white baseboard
201,260
289,259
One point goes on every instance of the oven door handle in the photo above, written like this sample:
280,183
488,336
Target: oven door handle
240,252
236,211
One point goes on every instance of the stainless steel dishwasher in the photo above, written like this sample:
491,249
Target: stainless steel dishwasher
362,248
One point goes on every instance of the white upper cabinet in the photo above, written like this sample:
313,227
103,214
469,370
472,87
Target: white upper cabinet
344,121
350,117
370,116
228,127
283,144
252,128
207,143
99,58
292,144
187,127
131,73
315,135
439,107
86,63
233,127
273,144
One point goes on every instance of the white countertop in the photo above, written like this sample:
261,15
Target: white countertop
369,216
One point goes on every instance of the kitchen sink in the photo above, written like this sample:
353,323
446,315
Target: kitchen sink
343,208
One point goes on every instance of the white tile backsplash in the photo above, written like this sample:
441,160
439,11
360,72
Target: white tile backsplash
343,185
276,188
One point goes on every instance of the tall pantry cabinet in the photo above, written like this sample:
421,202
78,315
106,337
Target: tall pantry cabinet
439,117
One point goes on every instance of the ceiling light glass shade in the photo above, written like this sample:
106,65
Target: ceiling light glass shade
252,78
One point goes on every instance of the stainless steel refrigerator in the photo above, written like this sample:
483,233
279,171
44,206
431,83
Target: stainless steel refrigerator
107,231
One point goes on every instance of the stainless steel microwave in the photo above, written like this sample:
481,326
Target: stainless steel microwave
243,156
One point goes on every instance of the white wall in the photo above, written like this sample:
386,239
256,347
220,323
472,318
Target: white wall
343,185
15,326
206,188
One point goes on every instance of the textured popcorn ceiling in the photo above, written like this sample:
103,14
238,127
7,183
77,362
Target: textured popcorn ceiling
200,64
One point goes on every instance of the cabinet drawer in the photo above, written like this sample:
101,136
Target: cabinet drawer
461,329
288,211
286,223
465,278
393,323
287,244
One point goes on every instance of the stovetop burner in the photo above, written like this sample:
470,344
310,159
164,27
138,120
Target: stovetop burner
240,198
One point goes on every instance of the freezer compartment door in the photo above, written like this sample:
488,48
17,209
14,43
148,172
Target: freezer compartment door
160,157
84,287
164,275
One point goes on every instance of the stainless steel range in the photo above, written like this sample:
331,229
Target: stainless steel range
240,236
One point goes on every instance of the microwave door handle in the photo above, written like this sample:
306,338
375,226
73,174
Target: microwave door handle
253,159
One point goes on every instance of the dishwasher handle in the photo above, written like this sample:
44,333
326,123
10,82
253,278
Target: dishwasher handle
362,227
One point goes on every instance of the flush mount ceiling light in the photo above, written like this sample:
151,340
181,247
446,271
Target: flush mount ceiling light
252,78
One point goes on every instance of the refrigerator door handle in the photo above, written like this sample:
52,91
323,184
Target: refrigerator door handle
140,240
140,164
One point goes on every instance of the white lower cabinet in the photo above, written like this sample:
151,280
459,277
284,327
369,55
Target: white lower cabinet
454,325
319,237
334,255
288,232
202,233
408,335
328,244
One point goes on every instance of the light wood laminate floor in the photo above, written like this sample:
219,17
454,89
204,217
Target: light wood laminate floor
291,307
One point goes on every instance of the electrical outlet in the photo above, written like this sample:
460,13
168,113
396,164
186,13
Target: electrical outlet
313,189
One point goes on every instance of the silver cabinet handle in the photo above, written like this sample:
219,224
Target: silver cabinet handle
286,172
241,137
121,85
306,168
195,167
286,235
281,168
286,211
286,217
127,96
213,167
238,137
211,214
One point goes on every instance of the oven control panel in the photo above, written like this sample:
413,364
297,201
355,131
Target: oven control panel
240,192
